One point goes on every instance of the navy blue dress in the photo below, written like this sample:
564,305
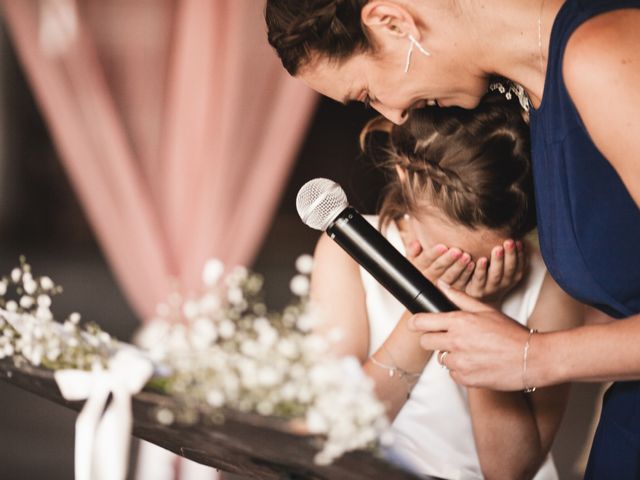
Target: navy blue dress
589,230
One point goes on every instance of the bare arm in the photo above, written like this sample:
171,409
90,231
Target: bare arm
514,431
601,69
602,72
337,291
607,352
338,294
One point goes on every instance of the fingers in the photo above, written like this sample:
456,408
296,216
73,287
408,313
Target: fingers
476,285
452,274
452,266
426,257
442,263
462,300
439,260
464,277
496,266
510,261
432,322
414,249
446,359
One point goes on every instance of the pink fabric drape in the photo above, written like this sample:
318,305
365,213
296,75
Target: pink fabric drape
175,122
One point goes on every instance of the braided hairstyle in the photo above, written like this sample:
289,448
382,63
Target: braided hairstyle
299,28
472,165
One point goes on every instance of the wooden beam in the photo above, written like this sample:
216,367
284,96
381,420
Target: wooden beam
247,444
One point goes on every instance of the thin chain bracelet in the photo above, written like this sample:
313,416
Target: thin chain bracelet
409,377
525,386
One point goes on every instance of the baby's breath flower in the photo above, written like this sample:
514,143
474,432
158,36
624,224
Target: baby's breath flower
44,301
235,295
264,408
249,378
205,329
209,303
287,348
230,351
215,398
249,348
212,272
304,264
30,286
46,283
43,313
226,329
268,376
26,301
300,285
316,422
306,322
165,416
16,275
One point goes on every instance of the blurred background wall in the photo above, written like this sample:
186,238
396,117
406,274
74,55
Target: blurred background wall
41,217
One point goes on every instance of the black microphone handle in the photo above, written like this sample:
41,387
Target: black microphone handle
386,264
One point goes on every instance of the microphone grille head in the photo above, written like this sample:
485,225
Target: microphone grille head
319,202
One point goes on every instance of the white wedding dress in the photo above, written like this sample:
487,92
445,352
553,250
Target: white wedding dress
432,434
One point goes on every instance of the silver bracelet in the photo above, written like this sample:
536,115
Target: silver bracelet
394,369
525,385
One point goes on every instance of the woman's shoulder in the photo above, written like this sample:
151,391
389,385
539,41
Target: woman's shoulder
602,60
599,49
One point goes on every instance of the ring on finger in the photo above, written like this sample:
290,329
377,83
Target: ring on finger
442,356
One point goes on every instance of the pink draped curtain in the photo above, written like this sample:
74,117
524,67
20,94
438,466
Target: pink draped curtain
175,122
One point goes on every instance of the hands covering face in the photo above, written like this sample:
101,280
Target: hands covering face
485,279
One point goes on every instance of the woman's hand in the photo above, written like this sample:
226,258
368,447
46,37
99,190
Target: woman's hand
450,265
484,279
492,280
485,347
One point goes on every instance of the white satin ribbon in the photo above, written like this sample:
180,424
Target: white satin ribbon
102,439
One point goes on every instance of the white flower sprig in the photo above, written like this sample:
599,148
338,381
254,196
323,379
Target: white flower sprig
29,332
224,349
220,349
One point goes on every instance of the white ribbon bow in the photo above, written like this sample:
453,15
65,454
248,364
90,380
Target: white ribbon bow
102,440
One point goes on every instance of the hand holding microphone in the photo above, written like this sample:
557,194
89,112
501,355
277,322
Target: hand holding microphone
323,205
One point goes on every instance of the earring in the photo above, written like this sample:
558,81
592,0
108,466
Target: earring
414,43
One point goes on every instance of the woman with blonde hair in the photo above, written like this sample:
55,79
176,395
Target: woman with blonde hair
456,177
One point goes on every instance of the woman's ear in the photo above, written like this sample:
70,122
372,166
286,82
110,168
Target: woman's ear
402,173
387,20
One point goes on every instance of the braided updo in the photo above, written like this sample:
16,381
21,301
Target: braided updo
299,28
473,165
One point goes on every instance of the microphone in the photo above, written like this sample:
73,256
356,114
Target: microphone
323,205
